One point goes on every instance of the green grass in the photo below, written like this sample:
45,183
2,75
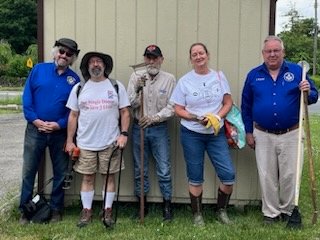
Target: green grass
247,223
11,88
11,100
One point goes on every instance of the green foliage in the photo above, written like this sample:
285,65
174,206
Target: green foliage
316,79
298,38
18,23
32,52
5,52
17,66
13,67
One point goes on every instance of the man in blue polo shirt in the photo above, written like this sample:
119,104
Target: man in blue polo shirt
44,106
270,111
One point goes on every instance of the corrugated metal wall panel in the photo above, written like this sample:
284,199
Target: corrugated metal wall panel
233,31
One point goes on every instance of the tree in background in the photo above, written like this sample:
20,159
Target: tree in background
298,38
18,23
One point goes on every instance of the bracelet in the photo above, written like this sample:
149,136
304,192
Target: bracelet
124,133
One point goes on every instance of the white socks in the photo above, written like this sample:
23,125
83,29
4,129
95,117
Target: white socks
109,199
87,199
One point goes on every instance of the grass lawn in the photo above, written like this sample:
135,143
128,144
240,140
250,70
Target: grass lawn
247,223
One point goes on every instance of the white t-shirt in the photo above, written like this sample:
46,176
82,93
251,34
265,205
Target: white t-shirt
98,103
200,94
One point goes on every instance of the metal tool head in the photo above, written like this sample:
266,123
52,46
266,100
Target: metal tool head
305,65
139,65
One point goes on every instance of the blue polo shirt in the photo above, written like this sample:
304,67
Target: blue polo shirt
273,105
46,93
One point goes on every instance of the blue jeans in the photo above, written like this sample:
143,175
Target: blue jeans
194,146
35,144
156,141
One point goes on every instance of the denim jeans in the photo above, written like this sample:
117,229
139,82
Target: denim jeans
194,146
35,144
156,142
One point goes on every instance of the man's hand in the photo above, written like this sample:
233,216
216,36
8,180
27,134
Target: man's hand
140,83
147,121
304,86
250,140
70,146
46,127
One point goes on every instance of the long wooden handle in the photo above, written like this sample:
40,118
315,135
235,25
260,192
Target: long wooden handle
141,162
300,142
311,161
299,153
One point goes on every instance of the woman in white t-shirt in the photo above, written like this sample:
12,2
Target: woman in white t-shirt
200,96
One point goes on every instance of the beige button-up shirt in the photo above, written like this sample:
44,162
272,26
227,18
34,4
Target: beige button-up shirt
156,95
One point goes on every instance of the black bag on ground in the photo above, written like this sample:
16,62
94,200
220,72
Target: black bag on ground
37,210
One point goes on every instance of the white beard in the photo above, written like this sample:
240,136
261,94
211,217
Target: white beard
153,70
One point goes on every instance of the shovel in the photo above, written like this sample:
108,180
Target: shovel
295,221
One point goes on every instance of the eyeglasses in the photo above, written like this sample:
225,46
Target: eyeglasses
270,51
63,51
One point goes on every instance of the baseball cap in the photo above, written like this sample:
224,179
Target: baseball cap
153,50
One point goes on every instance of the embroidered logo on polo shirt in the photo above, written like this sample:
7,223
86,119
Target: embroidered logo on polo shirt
288,76
260,79
71,80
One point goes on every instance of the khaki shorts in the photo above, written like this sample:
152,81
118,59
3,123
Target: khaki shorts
91,162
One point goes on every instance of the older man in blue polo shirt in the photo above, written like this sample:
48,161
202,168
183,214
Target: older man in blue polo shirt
44,106
270,111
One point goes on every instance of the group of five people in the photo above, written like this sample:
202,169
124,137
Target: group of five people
94,115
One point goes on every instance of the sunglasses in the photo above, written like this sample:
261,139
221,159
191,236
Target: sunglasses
63,51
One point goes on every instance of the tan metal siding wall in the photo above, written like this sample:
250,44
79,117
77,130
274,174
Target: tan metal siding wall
233,31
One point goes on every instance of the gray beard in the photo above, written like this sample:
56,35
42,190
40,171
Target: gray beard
153,71
96,72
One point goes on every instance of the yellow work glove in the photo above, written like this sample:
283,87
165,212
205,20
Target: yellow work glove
214,122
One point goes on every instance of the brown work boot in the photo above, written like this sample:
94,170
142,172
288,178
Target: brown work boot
107,218
56,216
85,217
23,219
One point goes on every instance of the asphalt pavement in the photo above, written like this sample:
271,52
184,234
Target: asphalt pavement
11,146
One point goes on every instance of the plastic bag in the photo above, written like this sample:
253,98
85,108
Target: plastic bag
234,128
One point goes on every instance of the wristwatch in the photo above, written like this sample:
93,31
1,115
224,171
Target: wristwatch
124,133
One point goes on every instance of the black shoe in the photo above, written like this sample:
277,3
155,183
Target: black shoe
167,210
270,220
284,217
56,216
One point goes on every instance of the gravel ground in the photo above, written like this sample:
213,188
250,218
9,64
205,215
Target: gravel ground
12,128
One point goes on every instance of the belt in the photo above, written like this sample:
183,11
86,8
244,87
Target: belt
136,121
277,132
